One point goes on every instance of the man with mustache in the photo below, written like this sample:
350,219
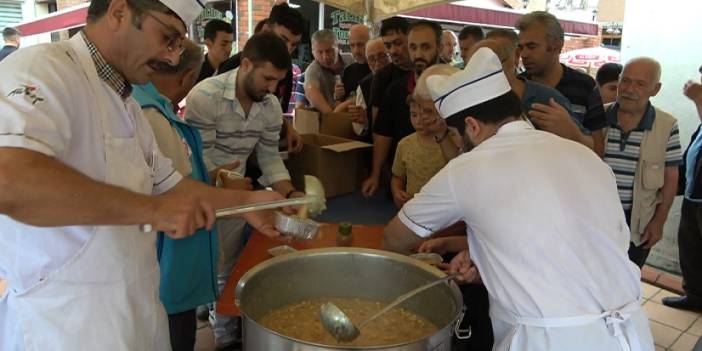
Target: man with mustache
237,115
541,39
393,120
643,149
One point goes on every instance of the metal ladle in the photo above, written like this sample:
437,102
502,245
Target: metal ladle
338,324
314,202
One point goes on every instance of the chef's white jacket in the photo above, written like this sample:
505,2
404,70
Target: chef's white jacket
546,230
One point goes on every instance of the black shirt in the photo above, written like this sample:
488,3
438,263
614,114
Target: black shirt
584,97
393,118
230,63
284,90
365,85
353,74
6,50
206,71
381,80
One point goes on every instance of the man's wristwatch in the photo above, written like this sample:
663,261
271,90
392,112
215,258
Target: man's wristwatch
440,139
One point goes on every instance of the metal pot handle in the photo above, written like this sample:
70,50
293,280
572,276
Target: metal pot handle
462,334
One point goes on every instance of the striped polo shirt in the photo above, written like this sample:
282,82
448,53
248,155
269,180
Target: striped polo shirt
622,150
229,134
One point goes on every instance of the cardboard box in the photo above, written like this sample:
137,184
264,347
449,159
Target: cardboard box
306,121
338,124
335,161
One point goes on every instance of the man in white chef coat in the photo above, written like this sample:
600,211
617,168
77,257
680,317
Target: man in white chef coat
80,171
551,252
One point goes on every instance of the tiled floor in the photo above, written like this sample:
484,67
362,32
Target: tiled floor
672,329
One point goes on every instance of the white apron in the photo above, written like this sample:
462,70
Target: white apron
106,297
624,329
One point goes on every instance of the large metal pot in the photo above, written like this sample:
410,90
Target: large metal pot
347,273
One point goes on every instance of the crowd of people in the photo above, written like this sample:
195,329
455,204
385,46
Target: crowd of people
547,188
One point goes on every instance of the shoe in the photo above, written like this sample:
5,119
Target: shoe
683,302
202,313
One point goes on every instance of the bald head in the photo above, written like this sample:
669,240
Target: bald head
449,42
376,56
359,34
359,30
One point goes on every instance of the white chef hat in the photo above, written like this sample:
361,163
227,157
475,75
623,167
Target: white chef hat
481,80
187,10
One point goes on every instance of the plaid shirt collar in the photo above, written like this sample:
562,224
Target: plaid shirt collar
107,72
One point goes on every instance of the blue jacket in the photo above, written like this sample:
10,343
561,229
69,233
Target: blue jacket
188,266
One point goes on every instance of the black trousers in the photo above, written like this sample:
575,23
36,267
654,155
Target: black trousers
690,247
182,328
637,254
475,298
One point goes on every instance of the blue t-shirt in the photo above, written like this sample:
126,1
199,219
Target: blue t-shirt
537,93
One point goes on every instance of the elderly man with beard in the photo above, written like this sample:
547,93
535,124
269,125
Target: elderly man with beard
237,114
643,148
393,121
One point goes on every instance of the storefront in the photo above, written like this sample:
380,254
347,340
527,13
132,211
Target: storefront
322,16
220,10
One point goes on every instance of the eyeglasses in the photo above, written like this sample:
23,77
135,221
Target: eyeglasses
174,40
383,57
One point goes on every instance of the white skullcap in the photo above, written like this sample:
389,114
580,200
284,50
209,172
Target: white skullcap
187,10
481,80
